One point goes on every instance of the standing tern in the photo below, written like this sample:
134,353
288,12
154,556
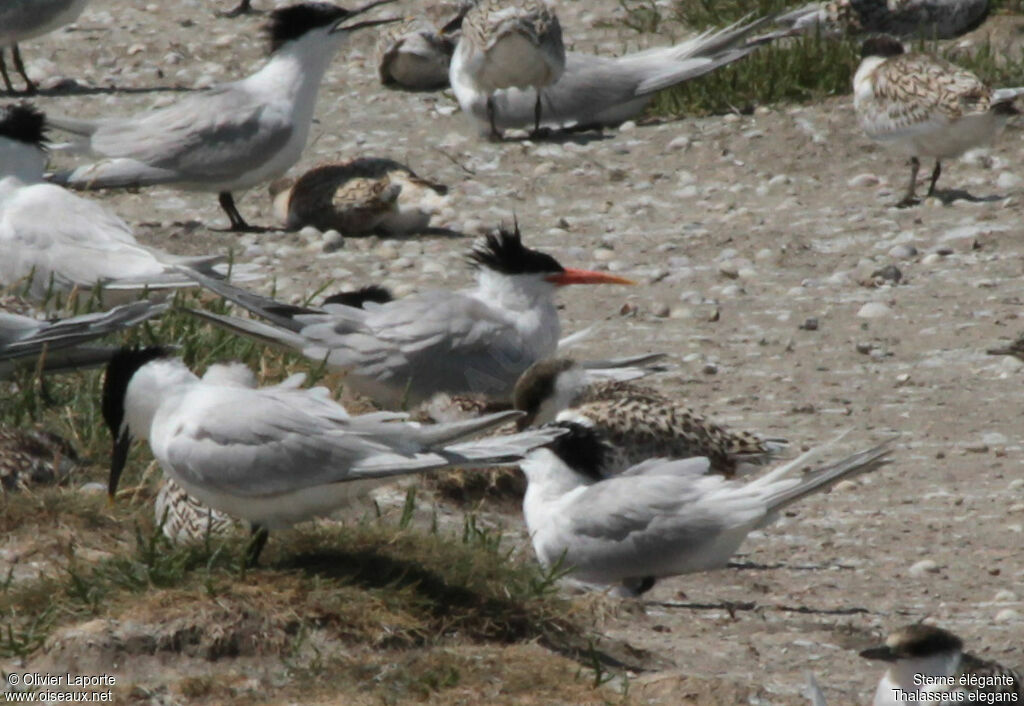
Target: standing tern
26,19
636,423
930,19
403,352
24,340
277,455
361,197
599,91
232,137
507,44
925,106
58,241
658,518
928,665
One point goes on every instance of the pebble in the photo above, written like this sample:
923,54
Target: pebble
874,310
310,233
730,269
679,143
889,273
332,241
863,180
1008,180
925,566
810,324
1005,596
661,310
709,369
93,488
931,258
386,252
844,486
1007,615
903,252
604,254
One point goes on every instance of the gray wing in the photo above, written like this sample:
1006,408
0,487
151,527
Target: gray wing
456,342
210,136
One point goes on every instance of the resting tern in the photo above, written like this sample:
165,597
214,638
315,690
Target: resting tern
924,106
416,54
59,343
599,91
361,197
58,241
232,137
930,19
26,19
636,423
658,518
507,44
277,455
404,351
927,663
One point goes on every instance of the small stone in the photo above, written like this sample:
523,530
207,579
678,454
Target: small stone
93,488
679,143
709,369
863,180
864,347
1008,180
931,258
1005,596
730,269
1007,615
310,233
604,254
332,241
874,310
925,566
977,448
903,252
845,486
386,252
661,310
810,324
628,126
889,273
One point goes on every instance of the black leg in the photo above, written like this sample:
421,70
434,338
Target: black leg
238,224
495,135
910,198
242,8
935,177
536,113
638,586
3,72
20,66
258,540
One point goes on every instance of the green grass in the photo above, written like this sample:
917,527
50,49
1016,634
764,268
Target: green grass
798,70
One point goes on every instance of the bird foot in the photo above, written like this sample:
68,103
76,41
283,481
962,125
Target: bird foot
907,202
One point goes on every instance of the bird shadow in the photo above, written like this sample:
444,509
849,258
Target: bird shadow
71,88
948,196
582,135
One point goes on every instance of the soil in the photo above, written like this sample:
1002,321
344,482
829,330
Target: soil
755,239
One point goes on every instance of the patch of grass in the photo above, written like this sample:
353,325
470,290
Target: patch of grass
719,13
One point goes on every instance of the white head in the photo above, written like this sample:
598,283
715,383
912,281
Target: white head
22,136
918,650
547,388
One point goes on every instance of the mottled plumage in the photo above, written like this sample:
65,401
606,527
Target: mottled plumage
34,457
508,44
925,106
185,520
415,54
638,423
360,197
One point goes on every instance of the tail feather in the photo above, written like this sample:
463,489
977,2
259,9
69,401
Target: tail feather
279,313
76,126
441,434
830,474
1005,95
118,173
252,328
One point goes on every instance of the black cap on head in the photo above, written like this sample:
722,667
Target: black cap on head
538,384
503,251
23,122
288,23
884,45
120,369
915,641
582,449
371,293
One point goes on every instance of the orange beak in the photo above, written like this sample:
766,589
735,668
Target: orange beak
574,276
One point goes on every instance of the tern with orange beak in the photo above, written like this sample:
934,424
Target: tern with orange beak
403,352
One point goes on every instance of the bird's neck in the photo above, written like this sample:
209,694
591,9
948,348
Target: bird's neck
906,675
295,71
22,161
150,386
529,303
548,481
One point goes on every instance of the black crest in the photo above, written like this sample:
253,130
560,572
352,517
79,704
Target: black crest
915,641
371,293
881,46
581,448
538,384
23,122
503,251
288,23
120,369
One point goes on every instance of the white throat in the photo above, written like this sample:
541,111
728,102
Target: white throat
152,385
528,303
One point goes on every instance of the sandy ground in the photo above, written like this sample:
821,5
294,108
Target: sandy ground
740,229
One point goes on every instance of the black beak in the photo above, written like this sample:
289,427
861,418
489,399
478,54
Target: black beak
884,654
368,23
118,458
